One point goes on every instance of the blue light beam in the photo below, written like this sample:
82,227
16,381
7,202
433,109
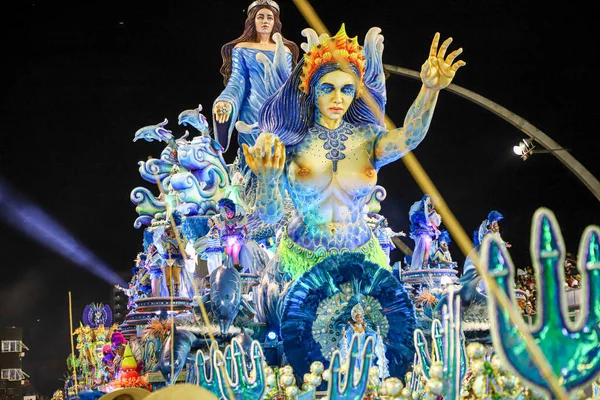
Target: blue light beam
39,226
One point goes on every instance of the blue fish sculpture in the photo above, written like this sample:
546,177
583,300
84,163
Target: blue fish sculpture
225,298
154,132
194,118
225,295
182,342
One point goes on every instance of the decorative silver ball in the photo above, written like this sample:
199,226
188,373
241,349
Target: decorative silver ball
316,380
286,380
393,386
478,366
287,369
476,350
434,386
498,365
307,387
317,368
406,393
437,370
418,369
292,391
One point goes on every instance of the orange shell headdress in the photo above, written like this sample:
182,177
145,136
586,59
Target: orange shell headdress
337,49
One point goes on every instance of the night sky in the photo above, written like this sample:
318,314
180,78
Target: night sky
82,78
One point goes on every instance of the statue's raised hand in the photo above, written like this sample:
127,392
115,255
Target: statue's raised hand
438,71
267,157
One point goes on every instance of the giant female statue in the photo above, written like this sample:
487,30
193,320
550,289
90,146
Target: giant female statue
324,141
255,65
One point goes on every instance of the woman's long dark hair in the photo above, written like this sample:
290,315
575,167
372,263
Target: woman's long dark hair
249,35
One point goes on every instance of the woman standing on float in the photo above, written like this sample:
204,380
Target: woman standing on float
255,65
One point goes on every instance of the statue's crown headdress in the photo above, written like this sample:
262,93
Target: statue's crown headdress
263,3
339,48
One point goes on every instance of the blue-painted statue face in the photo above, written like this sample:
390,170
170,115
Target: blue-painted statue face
334,92
264,21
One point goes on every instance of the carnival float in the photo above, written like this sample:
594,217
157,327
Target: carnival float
270,277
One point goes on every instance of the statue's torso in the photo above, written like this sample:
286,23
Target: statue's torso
329,188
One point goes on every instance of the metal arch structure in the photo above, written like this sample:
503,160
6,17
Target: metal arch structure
523,125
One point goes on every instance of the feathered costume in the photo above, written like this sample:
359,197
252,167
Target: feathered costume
318,306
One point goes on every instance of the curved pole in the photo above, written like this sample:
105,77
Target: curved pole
546,141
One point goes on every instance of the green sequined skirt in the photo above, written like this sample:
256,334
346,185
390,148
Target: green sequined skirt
295,259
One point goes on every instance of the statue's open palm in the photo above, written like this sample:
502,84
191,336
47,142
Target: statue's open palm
267,157
438,71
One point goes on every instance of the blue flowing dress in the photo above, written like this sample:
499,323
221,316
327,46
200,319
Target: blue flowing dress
256,75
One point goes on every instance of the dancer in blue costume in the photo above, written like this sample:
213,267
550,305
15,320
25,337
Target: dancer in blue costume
255,65
424,223
441,257
359,328
490,226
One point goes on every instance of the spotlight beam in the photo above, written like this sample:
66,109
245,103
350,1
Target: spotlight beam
40,227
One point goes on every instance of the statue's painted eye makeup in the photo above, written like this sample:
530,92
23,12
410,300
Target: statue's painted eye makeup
324,88
349,90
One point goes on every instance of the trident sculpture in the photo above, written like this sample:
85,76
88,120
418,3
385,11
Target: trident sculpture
571,348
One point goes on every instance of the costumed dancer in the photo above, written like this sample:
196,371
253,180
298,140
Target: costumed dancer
424,223
130,292
167,245
324,144
441,257
143,278
214,248
358,327
231,223
153,266
254,66
490,225
384,235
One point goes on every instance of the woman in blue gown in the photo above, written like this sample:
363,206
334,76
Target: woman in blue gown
358,328
255,65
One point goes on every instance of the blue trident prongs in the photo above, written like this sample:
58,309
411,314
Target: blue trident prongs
233,376
571,348
351,388
447,348
203,376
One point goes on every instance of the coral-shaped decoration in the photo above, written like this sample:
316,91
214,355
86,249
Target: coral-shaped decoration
129,376
339,48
